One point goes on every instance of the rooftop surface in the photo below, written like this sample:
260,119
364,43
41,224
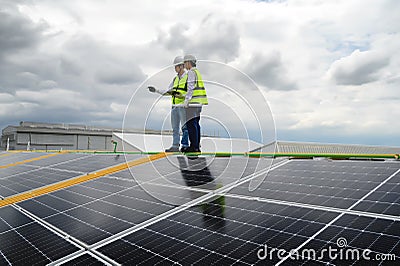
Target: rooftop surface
149,143
86,208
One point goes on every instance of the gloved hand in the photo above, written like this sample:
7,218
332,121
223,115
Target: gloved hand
186,104
151,88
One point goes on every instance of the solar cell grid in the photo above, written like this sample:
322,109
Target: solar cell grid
179,169
101,212
385,200
31,180
379,236
232,235
18,157
15,170
61,158
228,230
11,218
327,186
24,241
94,162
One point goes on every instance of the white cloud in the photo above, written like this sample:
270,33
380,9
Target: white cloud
358,68
214,38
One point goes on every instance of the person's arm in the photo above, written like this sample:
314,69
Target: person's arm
162,92
191,81
167,91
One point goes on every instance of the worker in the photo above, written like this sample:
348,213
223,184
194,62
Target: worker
195,98
177,90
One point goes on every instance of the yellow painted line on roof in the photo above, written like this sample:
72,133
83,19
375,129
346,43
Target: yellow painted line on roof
79,179
29,160
5,154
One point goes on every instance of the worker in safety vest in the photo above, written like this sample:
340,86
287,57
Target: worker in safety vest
177,90
195,98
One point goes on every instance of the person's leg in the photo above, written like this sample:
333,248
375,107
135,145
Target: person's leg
175,127
198,128
185,134
191,127
198,131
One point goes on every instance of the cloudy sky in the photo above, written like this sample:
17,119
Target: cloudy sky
330,70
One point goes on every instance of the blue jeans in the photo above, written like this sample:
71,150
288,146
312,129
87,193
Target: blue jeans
193,126
178,117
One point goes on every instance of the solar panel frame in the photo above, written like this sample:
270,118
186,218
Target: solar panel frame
84,259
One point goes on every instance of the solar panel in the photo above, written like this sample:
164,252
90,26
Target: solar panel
105,212
94,162
12,158
324,183
364,236
200,210
68,157
35,178
11,171
231,235
385,200
181,171
24,241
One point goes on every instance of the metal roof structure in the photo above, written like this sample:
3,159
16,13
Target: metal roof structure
53,136
69,208
327,148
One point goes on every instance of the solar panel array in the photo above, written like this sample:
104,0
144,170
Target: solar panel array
199,210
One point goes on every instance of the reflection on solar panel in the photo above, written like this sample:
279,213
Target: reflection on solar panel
198,210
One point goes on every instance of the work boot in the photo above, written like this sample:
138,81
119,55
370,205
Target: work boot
192,149
183,149
172,149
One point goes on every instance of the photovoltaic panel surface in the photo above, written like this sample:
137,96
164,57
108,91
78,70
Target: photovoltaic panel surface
24,241
372,238
95,162
195,172
221,234
96,210
11,158
32,179
385,200
61,158
148,223
324,183
15,170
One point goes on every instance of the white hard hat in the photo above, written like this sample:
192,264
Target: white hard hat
178,60
190,57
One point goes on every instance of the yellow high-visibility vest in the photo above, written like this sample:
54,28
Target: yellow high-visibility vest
180,86
199,93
